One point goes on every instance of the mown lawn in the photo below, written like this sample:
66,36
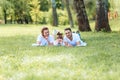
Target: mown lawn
99,60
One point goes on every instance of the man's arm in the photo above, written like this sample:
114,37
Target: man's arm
78,43
77,40
67,44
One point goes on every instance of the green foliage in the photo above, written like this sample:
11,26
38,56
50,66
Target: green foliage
1,14
44,5
49,17
91,8
5,5
43,18
35,13
33,10
62,17
114,5
59,4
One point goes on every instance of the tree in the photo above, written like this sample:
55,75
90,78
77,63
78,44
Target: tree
69,14
82,18
5,7
35,12
102,22
90,8
21,11
54,13
44,5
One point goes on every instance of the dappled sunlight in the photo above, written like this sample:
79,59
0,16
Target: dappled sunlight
47,66
47,59
17,76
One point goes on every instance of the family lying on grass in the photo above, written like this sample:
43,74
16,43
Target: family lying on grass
70,39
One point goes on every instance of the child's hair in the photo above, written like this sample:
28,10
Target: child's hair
59,35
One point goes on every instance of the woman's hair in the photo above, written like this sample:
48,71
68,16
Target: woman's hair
42,30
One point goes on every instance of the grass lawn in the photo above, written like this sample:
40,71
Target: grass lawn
99,60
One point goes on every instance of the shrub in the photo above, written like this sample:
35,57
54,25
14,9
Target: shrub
62,17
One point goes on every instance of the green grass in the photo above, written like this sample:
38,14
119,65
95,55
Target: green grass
99,60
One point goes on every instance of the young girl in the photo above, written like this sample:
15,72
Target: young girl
59,40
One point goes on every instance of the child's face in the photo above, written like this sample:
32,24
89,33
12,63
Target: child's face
59,40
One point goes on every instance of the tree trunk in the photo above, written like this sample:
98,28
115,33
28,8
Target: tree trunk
102,23
11,19
69,14
5,16
82,18
36,22
55,18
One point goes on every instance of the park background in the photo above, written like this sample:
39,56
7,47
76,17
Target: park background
20,24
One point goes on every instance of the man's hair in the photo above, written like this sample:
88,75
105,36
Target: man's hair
42,30
68,29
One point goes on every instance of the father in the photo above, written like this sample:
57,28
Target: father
72,39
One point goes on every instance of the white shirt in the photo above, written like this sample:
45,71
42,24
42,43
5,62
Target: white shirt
58,44
43,41
75,39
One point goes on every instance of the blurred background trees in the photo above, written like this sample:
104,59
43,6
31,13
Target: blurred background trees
82,17
54,12
102,23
